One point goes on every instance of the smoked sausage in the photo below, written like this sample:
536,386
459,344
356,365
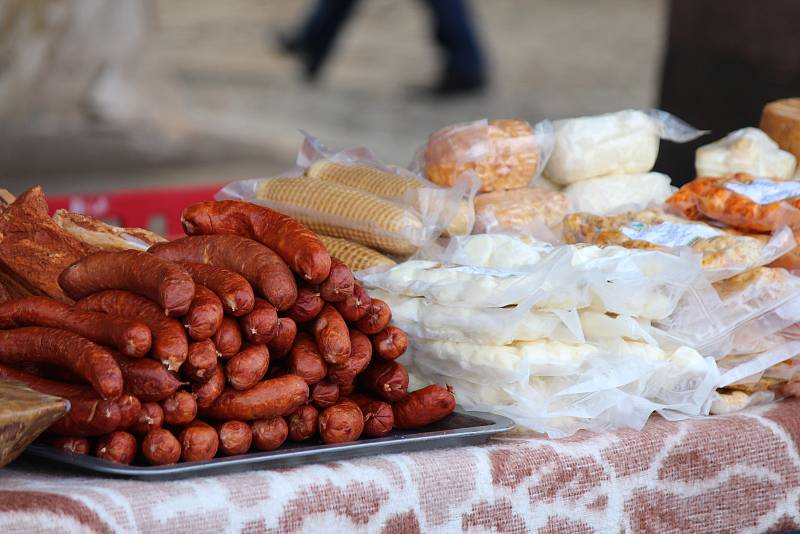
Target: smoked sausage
201,361
324,394
205,314
307,306
331,334
180,409
269,434
129,409
248,367
423,407
170,344
88,360
161,447
138,272
228,338
355,306
73,445
235,437
199,441
376,319
261,324
146,378
387,380
299,247
150,417
260,266
303,423
119,447
131,338
341,423
233,290
378,415
390,343
360,356
207,393
339,284
305,360
281,344
271,398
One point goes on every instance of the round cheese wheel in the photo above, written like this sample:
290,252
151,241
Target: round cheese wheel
781,121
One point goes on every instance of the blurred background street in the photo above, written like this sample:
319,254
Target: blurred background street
212,98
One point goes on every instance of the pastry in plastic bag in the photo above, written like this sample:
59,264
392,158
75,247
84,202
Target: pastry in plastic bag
747,150
520,210
609,195
625,142
724,253
505,154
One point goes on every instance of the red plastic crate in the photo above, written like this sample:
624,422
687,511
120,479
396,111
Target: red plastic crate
158,210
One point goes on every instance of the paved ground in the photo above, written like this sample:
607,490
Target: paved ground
550,58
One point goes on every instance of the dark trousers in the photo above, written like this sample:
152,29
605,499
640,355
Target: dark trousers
452,28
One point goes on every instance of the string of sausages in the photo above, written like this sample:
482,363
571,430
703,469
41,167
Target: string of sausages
239,336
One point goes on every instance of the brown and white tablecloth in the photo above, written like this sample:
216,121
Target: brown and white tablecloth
738,473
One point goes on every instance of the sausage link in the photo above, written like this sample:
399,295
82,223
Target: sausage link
201,362
235,437
360,356
228,338
72,445
390,343
307,306
332,336
207,393
89,415
129,409
376,319
281,344
303,423
324,394
423,407
199,441
345,390
355,306
269,434
131,338
261,324
341,423
180,409
299,247
88,360
205,314
233,290
119,447
378,415
247,368
150,418
135,271
147,379
270,398
170,344
339,284
305,360
161,447
387,380
261,267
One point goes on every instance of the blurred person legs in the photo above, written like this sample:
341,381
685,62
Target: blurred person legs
464,69
725,59
317,36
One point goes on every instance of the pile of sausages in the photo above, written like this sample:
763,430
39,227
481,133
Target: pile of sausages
239,336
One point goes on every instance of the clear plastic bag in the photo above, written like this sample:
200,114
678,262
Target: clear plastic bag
418,213
504,154
637,283
743,201
526,210
746,150
625,142
611,195
560,388
725,253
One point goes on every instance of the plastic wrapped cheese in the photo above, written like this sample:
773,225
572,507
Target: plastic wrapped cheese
747,150
526,210
610,195
625,142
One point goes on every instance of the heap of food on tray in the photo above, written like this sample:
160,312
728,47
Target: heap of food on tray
243,334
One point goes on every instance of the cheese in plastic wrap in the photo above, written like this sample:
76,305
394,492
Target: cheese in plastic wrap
743,201
610,195
748,150
638,283
526,210
560,388
625,142
725,253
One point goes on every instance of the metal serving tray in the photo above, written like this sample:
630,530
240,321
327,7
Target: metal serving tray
456,430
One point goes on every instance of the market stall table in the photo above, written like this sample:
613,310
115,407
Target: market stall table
727,473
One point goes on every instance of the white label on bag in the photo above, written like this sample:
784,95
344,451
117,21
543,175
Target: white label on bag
765,191
670,235
483,271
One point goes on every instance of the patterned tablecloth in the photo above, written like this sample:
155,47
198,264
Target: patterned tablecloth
721,474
